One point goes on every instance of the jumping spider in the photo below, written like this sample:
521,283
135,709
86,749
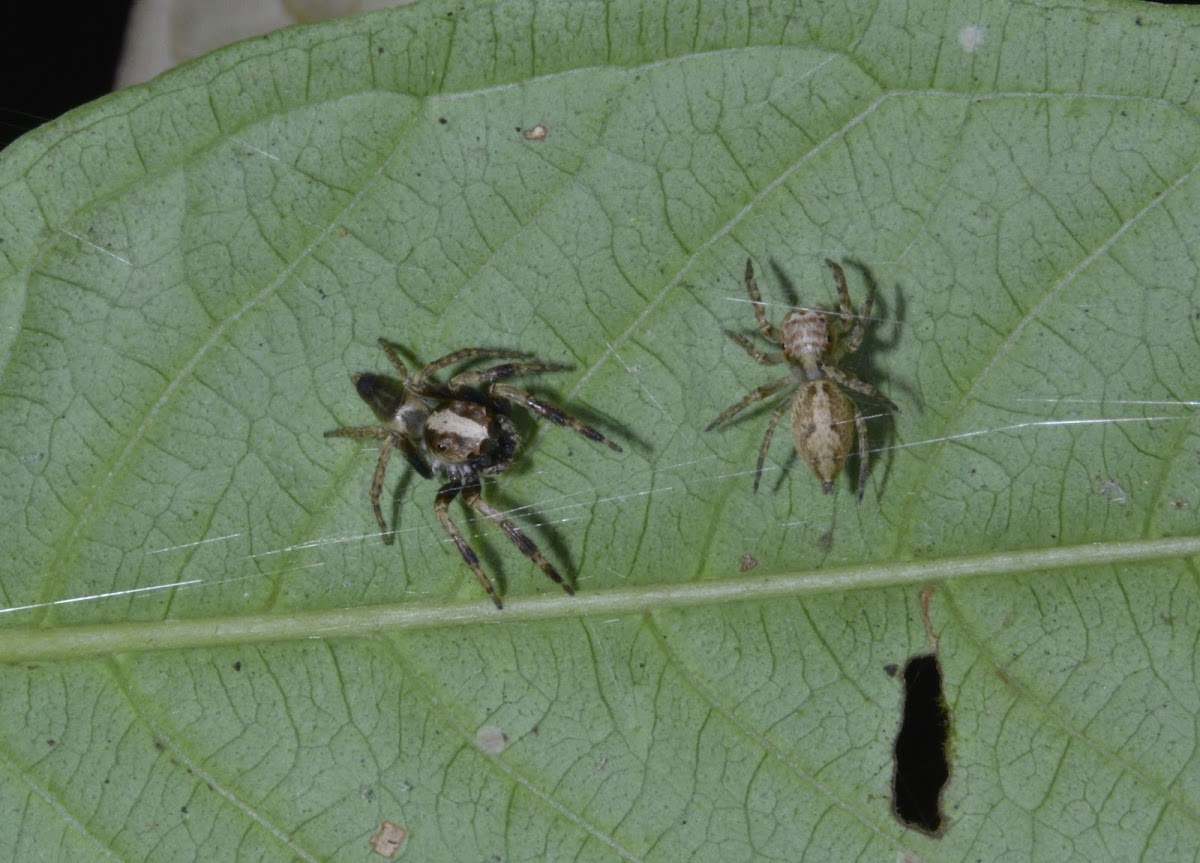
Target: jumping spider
459,430
813,340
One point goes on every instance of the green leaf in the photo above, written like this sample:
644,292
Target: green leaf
212,656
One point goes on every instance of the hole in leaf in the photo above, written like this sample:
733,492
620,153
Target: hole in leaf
921,762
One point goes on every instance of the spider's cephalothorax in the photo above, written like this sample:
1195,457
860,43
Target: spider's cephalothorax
458,430
824,418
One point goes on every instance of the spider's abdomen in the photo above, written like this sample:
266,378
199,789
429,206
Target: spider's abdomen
807,341
468,435
823,429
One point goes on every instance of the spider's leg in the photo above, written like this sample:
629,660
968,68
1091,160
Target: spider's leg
760,314
843,293
441,505
851,322
385,455
755,395
861,321
472,498
359,431
555,414
389,350
468,380
418,380
766,441
860,425
851,382
760,357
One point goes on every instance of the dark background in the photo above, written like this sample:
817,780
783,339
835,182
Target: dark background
54,57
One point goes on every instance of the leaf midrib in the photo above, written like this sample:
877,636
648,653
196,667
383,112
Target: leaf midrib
24,645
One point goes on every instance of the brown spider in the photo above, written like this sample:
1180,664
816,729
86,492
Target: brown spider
459,430
813,340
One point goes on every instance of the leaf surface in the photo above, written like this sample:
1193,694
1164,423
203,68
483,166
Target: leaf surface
212,656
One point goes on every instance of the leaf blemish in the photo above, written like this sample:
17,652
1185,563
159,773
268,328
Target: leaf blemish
389,839
971,37
491,740
1110,488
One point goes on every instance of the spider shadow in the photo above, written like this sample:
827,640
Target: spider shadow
531,427
627,437
791,296
400,492
881,422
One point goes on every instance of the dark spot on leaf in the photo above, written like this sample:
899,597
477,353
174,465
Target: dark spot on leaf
922,766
